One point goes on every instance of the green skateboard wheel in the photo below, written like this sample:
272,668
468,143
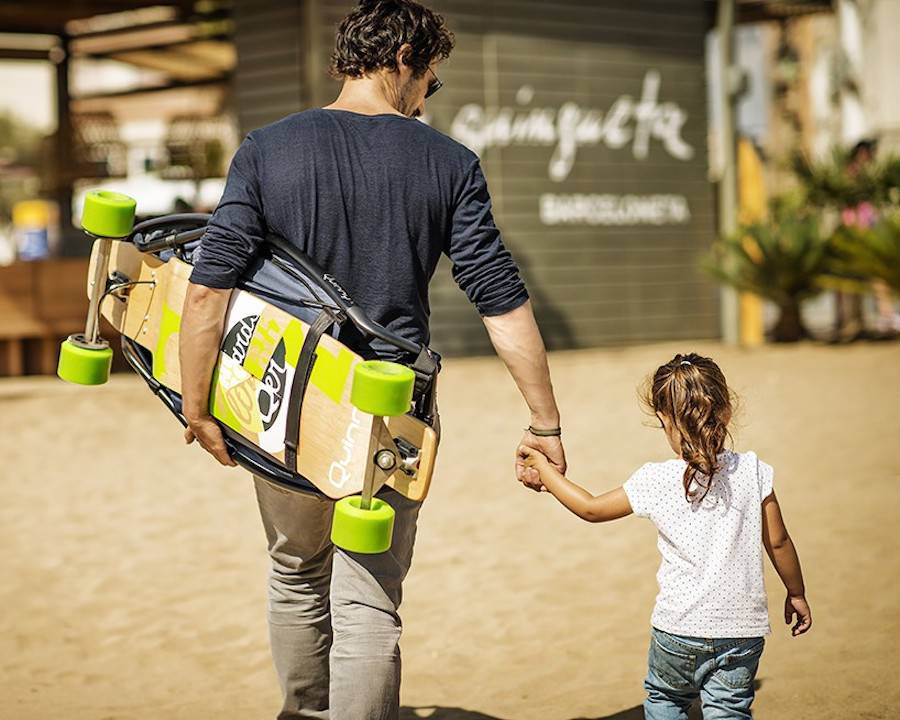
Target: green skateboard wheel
382,388
108,214
362,531
84,365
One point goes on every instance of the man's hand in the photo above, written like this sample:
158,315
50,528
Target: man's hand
797,605
551,447
207,432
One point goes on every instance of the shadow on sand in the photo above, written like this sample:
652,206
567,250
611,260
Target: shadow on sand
429,712
449,713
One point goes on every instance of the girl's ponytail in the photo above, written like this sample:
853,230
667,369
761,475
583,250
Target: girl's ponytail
690,390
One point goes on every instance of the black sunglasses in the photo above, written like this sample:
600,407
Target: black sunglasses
433,85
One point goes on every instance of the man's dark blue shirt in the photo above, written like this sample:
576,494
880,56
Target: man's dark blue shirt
372,199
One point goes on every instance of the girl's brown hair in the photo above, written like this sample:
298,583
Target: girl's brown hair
690,391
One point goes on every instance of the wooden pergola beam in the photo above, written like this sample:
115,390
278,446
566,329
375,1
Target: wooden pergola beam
179,84
24,54
49,17
164,46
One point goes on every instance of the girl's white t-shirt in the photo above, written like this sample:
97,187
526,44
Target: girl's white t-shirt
711,574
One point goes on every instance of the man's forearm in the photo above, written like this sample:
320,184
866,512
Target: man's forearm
201,333
517,340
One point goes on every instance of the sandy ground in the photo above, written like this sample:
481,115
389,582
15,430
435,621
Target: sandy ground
132,585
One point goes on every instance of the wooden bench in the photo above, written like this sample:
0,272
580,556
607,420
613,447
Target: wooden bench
18,318
41,303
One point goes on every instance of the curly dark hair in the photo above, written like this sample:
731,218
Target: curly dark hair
369,37
691,391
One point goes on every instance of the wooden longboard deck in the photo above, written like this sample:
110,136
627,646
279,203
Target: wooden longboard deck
253,378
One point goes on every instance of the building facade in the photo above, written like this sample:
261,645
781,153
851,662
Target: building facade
590,120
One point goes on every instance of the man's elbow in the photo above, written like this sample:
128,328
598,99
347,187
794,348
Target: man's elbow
506,309
202,295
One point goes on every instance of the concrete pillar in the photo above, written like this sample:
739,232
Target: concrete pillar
853,117
730,307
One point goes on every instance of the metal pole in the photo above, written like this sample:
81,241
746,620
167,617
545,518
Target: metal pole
64,156
730,307
97,288
368,491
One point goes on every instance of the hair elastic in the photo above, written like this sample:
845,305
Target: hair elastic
686,362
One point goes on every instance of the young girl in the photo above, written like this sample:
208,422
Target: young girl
714,510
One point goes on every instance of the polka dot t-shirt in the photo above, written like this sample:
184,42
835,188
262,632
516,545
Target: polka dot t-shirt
711,574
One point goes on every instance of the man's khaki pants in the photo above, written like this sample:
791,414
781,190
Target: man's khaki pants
333,619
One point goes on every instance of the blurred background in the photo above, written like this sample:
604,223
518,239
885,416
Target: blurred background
672,175
661,170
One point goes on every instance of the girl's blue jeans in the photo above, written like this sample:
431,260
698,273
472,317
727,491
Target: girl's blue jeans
720,671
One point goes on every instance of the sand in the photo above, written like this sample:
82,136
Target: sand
132,585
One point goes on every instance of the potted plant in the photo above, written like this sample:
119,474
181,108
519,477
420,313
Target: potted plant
781,258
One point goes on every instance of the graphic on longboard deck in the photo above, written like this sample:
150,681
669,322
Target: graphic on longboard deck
255,373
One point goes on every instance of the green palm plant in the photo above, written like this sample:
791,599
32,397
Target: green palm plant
782,259
891,175
857,255
835,182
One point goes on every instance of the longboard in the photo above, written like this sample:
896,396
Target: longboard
254,375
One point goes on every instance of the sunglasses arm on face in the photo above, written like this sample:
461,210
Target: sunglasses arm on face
433,85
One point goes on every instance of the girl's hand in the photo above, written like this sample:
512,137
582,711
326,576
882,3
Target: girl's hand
532,458
797,605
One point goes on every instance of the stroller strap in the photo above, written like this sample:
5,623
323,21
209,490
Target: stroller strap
305,361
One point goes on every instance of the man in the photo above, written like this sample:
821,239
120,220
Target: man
374,197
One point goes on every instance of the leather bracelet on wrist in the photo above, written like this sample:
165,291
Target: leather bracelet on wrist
544,432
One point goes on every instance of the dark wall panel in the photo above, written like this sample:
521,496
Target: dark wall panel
271,80
608,233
